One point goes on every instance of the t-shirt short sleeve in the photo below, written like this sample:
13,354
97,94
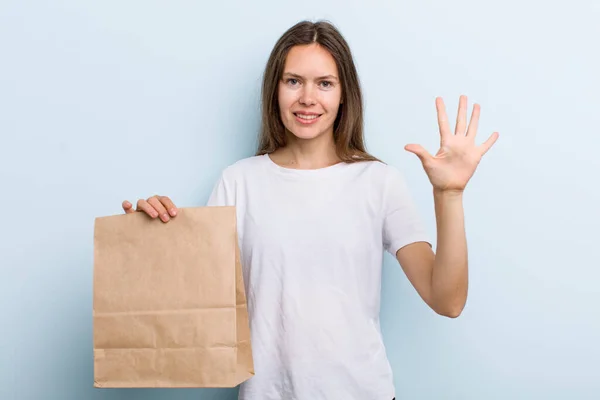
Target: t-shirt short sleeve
402,223
221,194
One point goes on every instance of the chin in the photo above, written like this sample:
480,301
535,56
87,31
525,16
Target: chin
305,134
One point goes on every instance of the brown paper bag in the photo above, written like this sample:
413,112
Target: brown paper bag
169,301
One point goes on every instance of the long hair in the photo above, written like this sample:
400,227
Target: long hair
348,125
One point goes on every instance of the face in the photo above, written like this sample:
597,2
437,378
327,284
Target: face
309,92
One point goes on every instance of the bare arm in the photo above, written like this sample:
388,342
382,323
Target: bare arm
441,279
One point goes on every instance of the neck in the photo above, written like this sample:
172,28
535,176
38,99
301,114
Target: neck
307,154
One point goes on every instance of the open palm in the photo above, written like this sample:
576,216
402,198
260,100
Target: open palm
458,157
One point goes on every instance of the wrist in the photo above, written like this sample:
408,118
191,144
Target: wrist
450,194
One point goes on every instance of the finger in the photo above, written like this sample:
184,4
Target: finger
127,207
158,206
485,146
461,118
474,124
169,205
442,118
419,151
143,205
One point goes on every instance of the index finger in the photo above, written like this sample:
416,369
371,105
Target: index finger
169,205
442,118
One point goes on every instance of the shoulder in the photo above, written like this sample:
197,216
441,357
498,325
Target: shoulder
242,168
387,182
381,172
225,190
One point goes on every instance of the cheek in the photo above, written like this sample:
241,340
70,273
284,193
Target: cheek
332,102
285,99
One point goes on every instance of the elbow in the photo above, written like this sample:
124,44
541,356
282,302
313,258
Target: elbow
450,306
451,313
450,310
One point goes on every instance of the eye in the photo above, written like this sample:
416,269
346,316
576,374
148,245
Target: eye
326,84
292,81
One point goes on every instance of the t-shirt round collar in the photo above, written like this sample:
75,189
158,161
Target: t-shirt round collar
316,172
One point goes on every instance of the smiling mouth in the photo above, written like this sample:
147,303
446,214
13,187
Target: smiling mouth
307,117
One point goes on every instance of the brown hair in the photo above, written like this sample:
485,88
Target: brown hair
348,125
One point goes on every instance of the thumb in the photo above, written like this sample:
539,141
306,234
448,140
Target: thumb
418,150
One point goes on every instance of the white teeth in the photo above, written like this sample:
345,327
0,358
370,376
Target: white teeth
306,116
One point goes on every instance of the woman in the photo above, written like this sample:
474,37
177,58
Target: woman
315,212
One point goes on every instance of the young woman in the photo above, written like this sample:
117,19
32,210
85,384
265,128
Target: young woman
315,213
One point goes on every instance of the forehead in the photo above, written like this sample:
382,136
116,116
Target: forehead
310,60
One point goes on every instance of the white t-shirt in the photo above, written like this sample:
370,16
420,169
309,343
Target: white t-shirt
312,245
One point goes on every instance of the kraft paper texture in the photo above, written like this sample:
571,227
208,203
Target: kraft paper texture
169,306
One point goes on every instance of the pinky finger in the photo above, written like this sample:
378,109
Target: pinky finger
128,207
485,146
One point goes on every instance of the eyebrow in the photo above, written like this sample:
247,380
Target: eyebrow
291,74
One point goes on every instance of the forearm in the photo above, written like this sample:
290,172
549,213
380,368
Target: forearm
449,279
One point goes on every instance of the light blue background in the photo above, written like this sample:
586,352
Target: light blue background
113,100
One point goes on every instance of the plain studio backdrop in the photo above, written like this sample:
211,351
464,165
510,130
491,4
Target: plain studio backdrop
112,100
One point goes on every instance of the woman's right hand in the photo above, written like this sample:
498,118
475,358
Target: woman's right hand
155,206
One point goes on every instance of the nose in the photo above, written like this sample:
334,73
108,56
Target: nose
307,96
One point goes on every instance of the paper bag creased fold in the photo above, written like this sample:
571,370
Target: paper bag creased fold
169,305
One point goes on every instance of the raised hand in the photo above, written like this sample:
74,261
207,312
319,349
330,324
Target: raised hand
458,157
155,206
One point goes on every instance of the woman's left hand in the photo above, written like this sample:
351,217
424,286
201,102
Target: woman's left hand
458,157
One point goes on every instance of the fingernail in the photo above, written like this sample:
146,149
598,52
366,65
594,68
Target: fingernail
173,212
165,217
154,214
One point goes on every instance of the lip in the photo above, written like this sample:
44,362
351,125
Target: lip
306,113
304,121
